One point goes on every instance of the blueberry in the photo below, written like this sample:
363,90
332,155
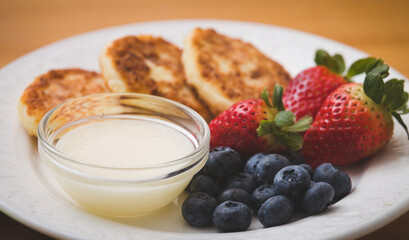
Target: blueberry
268,166
203,183
308,168
237,195
261,194
197,209
223,162
338,179
232,216
276,211
244,181
298,201
317,198
292,181
295,157
252,162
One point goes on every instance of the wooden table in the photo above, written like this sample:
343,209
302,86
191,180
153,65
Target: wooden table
378,27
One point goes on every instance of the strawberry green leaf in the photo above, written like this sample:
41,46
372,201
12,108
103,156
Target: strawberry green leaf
394,95
395,98
405,98
374,87
284,119
300,126
378,62
399,119
264,96
381,69
335,64
403,109
340,62
278,98
265,127
401,103
393,82
361,66
291,140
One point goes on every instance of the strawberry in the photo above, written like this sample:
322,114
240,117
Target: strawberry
355,121
306,92
255,125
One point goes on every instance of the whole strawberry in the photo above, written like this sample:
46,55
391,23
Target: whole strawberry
355,121
306,92
255,125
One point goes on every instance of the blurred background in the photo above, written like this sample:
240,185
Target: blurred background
378,27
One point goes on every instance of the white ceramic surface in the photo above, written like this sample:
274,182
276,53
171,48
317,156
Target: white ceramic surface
29,194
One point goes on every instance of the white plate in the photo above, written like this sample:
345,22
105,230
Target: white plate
27,193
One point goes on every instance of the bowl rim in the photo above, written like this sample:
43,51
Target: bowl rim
199,121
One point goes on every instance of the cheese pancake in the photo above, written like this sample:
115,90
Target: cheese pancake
224,70
53,88
150,65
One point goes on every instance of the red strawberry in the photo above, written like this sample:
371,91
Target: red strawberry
355,121
254,125
306,92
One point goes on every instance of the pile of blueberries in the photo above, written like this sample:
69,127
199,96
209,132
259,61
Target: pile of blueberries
228,191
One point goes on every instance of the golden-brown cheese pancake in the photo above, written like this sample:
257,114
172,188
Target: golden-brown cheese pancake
224,70
150,65
53,88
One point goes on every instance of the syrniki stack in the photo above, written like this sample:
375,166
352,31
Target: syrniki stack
53,88
224,70
151,65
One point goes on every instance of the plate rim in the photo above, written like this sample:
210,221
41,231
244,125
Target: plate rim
360,230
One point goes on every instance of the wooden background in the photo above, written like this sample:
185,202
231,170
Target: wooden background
378,27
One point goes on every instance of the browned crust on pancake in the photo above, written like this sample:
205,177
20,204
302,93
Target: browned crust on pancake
56,86
235,84
130,55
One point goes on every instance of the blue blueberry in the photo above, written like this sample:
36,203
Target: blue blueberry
241,180
261,194
298,201
232,216
203,183
295,157
292,181
268,166
223,162
338,179
252,162
308,168
237,195
276,211
317,198
197,209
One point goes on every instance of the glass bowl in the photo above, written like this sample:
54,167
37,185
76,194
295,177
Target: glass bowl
122,191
